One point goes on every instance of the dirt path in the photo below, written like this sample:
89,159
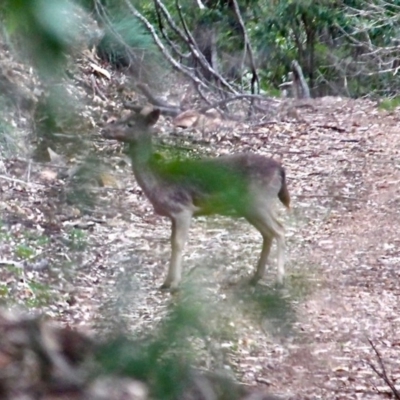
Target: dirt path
356,249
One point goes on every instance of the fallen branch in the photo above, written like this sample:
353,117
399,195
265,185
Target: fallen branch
383,373
163,106
223,102
15,180
171,110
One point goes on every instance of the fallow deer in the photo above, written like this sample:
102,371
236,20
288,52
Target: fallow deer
242,185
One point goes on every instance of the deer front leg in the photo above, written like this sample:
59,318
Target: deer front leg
179,235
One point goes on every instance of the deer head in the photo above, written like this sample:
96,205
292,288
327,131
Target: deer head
133,128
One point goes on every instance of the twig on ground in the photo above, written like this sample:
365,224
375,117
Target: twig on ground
15,180
383,373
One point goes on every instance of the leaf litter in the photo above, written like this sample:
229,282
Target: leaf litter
343,253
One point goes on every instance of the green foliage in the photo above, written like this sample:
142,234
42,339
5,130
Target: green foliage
27,290
29,245
4,290
164,356
24,251
127,44
40,294
24,284
312,32
40,240
125,31
291,31
156,358
389,104
77,240
145,360
18,272
43,30
41,34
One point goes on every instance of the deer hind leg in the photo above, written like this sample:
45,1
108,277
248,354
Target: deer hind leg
179,235
270,228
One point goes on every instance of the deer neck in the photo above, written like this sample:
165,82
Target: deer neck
140,153
143,167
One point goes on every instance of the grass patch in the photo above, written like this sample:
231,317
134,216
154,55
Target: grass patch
389,104
24,252
77,240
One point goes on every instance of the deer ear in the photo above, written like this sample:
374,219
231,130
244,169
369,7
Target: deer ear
152,117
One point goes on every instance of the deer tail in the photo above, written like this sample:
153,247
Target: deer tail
283,194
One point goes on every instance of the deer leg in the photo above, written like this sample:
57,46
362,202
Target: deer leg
280,239
270,228
262,262
179,235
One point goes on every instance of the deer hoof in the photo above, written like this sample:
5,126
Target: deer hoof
165,286
169,287
254,280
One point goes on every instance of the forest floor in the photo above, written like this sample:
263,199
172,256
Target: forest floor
313,338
